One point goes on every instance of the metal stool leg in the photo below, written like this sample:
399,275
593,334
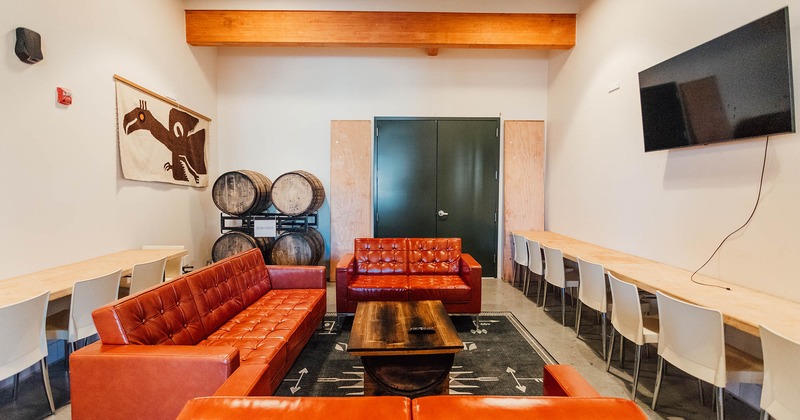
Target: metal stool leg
636,364
15,387
611,350
659,375
720,391
46,380
578,320
603,320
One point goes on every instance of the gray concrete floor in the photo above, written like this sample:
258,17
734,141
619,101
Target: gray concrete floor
679,395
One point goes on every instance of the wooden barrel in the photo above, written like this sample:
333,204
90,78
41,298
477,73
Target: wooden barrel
242,192
297,192
298,248
232,243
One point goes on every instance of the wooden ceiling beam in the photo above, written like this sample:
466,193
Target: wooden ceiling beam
428,30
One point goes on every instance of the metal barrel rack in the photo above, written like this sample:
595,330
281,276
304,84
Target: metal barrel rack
283,223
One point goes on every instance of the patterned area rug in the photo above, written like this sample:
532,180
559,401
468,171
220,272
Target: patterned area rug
499,358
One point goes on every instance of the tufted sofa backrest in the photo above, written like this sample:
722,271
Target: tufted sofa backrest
434,255
222,290
407,255
381,255
185,310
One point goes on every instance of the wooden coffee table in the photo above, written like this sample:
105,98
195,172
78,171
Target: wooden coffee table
396,361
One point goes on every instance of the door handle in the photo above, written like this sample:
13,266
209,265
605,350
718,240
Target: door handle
441,213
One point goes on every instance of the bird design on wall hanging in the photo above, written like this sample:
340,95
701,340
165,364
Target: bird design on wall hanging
188,150
151,150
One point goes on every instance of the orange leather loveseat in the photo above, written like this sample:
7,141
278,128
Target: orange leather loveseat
567,396
232,328
403,269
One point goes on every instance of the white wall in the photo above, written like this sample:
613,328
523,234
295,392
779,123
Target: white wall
63,196
675,206
276,105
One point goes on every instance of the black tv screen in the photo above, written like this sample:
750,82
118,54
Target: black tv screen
736,86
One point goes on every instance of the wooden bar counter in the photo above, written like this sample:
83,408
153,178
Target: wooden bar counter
742,308
59,280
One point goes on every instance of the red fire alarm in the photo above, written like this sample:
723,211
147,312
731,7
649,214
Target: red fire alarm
64,96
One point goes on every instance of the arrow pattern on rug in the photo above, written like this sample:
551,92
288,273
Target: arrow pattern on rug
328,328
335,380
479,330
458,381
519,386
296,386
357,382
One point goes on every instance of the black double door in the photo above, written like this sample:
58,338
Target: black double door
438,177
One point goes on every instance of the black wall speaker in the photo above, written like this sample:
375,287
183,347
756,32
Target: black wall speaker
29,46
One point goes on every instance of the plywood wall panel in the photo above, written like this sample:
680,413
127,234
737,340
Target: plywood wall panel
523,182
351,186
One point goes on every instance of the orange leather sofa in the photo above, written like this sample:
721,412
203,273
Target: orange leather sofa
572,398
232,328
403,269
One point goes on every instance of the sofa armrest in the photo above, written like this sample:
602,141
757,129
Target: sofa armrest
138,381
471,272
345,263
296,277
345,269
565,381
241,382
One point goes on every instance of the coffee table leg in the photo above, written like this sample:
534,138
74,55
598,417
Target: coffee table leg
340,321
408,376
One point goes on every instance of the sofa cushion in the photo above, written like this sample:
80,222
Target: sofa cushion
271,328
218,291
378,287
164,315
252,277
215,294
288,314
253,349
381,255
447,288
434,255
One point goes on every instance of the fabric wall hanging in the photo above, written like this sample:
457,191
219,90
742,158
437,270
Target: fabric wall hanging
160,140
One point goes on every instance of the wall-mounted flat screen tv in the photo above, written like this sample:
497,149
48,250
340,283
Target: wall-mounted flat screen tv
733,87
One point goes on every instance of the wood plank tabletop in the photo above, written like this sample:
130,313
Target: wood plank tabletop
742,308
382,329
59,280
